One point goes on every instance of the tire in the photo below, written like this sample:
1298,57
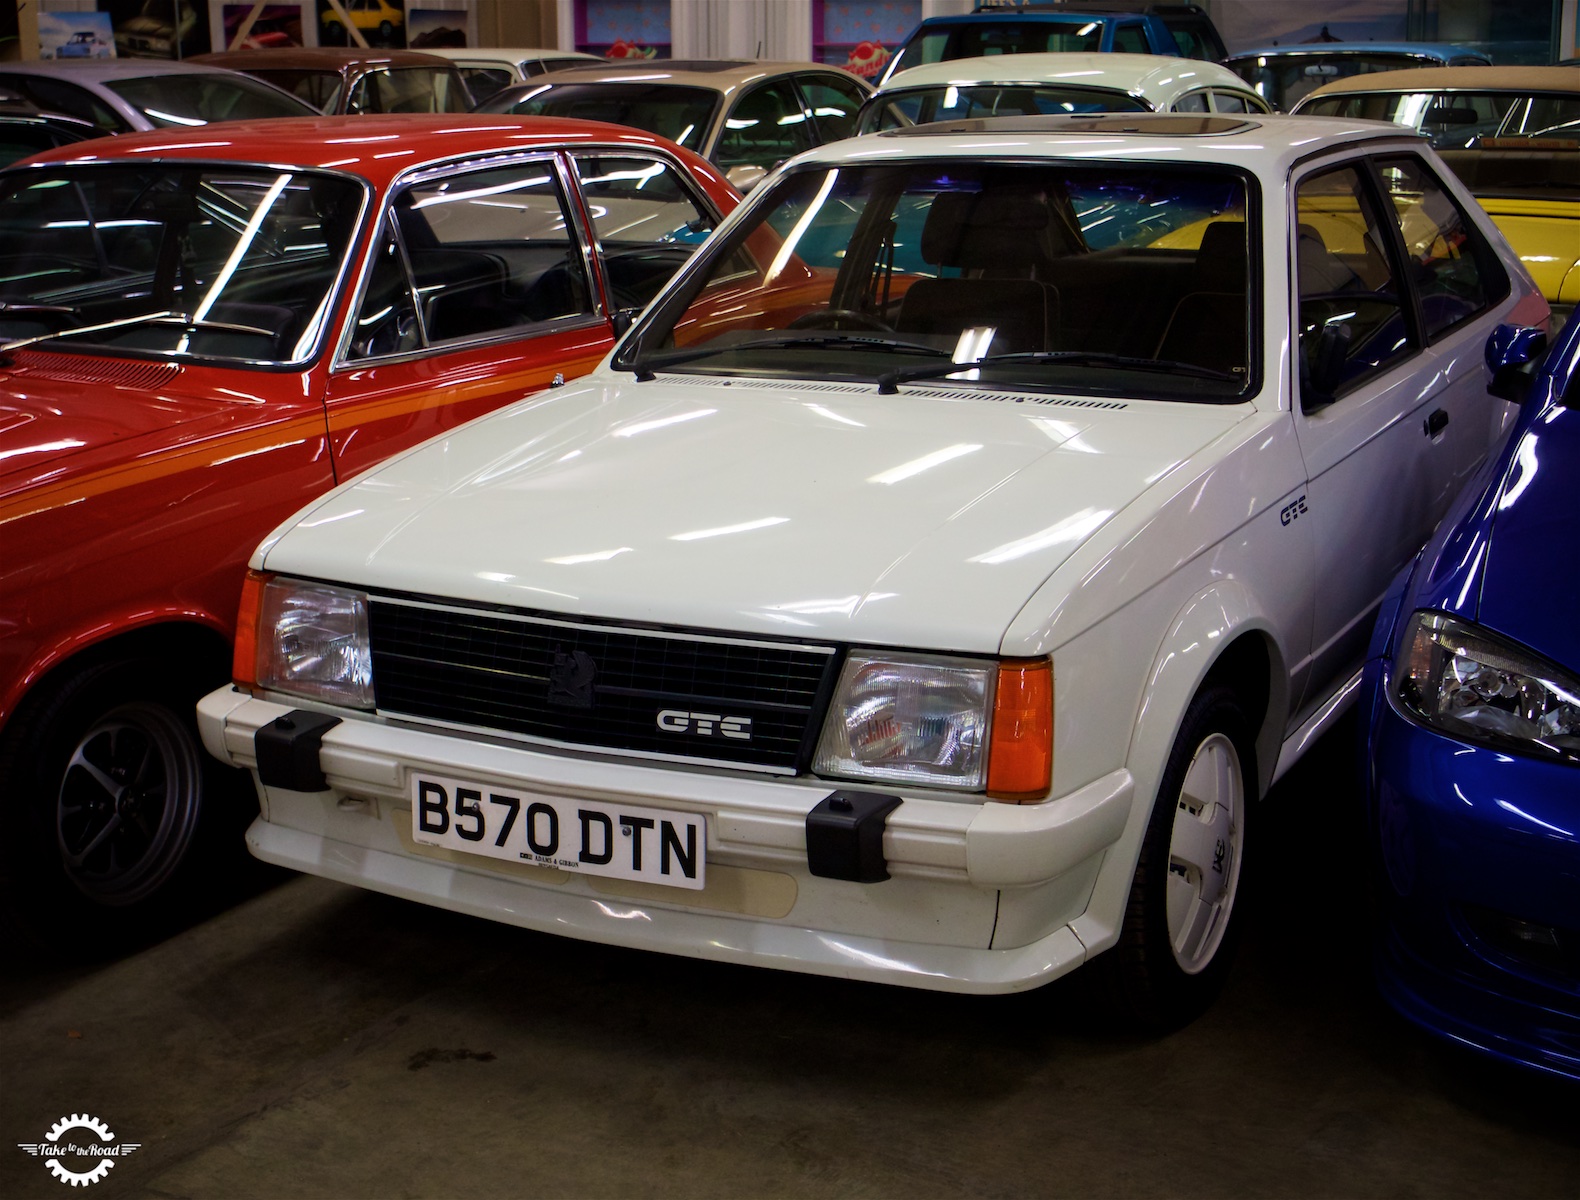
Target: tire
386,33
118,819
1177,940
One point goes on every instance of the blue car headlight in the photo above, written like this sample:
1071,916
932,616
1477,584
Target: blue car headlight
1480,688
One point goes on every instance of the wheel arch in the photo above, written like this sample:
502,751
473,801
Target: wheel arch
1224,634
198,642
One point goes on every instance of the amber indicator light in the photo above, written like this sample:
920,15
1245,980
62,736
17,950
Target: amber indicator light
244,667
1020,754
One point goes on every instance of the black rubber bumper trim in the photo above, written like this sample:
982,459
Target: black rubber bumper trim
844,836
287,749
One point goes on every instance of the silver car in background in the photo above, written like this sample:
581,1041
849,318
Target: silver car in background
120,95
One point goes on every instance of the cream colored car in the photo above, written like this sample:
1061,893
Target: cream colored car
1509,133
1007,85
747,117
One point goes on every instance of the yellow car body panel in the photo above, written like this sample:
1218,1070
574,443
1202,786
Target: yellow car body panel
1546,236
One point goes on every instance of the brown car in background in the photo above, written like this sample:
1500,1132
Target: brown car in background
355,81
745,117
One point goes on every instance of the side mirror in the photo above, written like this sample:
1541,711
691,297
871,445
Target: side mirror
622,320
745,177
1322,380
1512,354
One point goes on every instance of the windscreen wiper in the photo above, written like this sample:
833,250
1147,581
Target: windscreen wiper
7,306
645,368
153,318
888,384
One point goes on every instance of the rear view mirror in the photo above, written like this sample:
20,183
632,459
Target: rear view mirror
745,177
1512,354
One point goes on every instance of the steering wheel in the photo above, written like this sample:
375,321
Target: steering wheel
840,318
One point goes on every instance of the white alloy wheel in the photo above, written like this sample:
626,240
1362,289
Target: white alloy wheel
1204,852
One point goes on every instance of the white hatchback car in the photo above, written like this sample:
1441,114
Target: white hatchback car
489,69
1023,85
929,583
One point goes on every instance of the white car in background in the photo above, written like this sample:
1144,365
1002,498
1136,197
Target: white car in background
930,582
488,69
1024,85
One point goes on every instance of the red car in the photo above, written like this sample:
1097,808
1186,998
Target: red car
199,332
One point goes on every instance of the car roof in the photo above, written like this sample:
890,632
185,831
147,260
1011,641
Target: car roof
1481,79
97,70
1443,51
509,54
1266,145
1068,16
357,144
1122,72
719,75
323,58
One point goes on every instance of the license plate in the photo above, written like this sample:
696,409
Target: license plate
592,837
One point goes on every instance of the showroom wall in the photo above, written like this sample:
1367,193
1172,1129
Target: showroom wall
1512,30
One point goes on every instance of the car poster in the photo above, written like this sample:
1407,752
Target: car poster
75,35
158,28
430,28
262,26
379,23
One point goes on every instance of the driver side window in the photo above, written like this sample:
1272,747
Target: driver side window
1351,311
387,322
1454,271
646,220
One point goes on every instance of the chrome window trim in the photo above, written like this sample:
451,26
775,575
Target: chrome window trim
593,243
429,172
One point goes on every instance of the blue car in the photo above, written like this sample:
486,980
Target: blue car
1285,75
1018,31
1471,717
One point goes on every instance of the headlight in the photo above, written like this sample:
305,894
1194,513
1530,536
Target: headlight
1479,688
968,724
310,640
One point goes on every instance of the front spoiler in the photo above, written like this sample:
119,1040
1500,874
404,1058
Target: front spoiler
756,826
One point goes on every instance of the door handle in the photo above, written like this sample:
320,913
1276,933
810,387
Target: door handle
1435,424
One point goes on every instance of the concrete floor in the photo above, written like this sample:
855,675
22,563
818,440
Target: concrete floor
315,1040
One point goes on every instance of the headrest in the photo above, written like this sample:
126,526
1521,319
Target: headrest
1005,229
1221,259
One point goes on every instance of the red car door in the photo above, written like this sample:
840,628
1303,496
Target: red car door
480,289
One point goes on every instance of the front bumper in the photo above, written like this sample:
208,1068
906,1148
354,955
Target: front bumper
1479,864
979,898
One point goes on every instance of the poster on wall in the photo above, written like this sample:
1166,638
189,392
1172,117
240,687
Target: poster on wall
382,23
275,26
158,28
430,28
859,35
623,29
75,35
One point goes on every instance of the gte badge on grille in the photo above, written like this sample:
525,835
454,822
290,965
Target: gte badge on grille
673,720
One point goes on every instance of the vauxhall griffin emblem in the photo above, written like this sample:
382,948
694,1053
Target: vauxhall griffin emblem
571,679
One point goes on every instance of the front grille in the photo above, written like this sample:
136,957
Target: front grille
684,695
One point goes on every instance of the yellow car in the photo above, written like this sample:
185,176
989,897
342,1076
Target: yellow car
370,16
1511,134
